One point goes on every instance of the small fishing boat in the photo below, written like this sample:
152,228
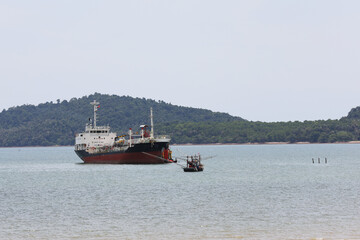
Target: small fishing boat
194,164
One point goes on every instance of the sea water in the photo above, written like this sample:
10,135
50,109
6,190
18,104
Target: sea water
245,192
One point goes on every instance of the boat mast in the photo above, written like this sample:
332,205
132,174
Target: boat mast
95,104
152,124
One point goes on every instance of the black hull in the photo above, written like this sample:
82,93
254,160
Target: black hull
193,169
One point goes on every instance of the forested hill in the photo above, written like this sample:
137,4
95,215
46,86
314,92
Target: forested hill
354,114
56,123
321,131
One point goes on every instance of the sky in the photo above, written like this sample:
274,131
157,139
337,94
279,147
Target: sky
262,60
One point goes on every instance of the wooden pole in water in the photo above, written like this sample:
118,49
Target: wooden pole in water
318,160
325,160
313,160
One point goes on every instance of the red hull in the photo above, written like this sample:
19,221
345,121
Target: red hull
126,158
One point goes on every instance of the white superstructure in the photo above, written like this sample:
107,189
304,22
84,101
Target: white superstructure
94,136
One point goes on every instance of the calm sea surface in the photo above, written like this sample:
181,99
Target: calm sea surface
245,192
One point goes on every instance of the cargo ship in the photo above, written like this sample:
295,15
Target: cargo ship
97,144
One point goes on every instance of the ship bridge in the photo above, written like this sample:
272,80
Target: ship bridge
94,136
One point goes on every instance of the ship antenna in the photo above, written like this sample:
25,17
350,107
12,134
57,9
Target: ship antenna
152,124
95,104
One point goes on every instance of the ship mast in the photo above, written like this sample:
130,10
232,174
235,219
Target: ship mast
95,104
152,124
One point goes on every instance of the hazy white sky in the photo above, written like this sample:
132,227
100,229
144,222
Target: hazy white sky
260,60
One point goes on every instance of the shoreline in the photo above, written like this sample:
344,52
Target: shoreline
265,143
211,144
39,146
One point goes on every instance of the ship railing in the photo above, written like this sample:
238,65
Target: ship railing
162,137
138,140
90,127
